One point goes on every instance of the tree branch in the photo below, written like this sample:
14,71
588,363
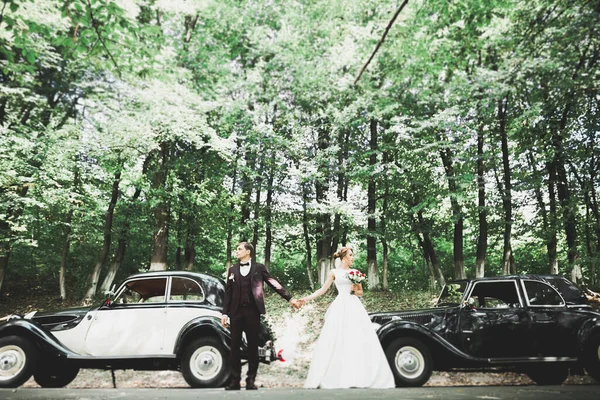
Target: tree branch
96,24
387,29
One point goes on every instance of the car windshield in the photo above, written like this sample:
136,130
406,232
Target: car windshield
452,294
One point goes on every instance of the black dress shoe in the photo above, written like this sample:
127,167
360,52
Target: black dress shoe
233,387
251,386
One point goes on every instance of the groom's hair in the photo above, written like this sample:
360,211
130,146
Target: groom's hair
248,246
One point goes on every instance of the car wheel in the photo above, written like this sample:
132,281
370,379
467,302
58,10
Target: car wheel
548,374
55,375
17,361
592,358
410,361
205,363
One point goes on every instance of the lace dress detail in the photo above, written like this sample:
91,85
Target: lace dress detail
348,353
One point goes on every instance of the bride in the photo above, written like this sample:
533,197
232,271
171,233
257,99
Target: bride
348,353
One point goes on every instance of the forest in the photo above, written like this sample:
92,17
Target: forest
441,139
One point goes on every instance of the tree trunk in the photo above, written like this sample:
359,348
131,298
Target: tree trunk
553,218
246,203
341,189
160,237
548,227
457,215
179,250
6,239
268,215
507,264
482,210
305,229
115,264
64,254
258,191
430,254
373,269
67,242
230,219
104,253
323,231
383,225
564,196
5,251
189,253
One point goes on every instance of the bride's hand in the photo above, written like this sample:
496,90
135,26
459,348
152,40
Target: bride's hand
356,288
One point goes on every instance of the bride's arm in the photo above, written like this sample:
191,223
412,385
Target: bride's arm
322,290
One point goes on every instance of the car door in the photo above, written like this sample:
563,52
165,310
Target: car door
134,324
186,301
493,324
553,324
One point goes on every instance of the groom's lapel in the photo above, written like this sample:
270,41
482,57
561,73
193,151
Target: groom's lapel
237,274
252,271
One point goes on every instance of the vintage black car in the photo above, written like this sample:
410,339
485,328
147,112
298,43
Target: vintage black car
156,321
520,323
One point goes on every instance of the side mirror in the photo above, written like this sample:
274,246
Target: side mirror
109,295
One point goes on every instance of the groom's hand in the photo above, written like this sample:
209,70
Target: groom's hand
224,321
296,303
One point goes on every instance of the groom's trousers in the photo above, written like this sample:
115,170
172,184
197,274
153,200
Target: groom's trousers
246,319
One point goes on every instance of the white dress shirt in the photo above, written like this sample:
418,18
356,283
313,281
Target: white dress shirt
245,269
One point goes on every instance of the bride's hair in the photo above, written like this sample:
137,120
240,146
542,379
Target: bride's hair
342,252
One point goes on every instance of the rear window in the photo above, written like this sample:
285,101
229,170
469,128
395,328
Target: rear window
541,294
184,289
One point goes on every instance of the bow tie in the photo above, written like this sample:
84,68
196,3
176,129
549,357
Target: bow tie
244,264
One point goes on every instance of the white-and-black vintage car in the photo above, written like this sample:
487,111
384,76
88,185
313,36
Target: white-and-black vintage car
520,323
156,321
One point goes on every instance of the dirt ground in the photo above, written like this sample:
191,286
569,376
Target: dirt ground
281,376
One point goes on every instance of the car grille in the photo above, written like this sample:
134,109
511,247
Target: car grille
420,318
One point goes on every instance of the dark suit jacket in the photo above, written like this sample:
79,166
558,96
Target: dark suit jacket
258,274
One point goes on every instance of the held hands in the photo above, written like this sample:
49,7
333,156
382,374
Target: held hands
297,303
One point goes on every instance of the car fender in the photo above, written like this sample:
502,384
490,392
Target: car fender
399,328
47,342
589,329
205,325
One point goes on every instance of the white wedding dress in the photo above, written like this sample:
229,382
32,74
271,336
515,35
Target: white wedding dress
348,353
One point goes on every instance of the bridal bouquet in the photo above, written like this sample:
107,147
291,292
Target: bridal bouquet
355,276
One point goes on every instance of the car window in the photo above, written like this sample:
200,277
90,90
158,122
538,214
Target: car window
452,294
495,294
143,291
569,291
541,294
184,289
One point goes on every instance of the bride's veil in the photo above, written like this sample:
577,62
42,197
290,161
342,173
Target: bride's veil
337,262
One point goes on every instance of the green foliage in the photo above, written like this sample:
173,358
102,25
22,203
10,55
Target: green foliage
247,97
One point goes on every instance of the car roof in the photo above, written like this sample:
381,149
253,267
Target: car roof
514,276
188,274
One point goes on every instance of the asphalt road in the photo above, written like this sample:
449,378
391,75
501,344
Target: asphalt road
578,392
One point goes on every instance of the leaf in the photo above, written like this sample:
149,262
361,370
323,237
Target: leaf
30,56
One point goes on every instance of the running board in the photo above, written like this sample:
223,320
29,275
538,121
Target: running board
529,360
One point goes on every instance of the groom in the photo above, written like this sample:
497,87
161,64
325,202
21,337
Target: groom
244,302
